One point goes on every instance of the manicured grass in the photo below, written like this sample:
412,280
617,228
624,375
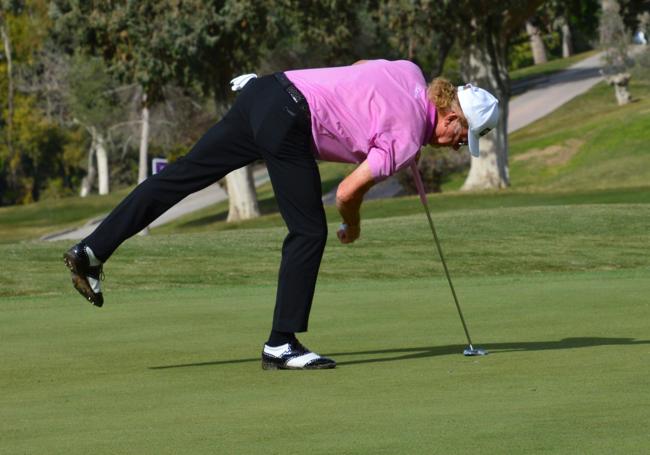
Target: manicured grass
210,219
557,294
546,69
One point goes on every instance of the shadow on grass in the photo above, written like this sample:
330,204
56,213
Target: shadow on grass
434,351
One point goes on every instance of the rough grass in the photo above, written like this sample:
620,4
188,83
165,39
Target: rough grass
607,144
21,222
557,294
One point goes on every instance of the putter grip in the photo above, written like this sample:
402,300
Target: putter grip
418,182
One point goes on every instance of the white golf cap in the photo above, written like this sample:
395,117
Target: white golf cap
481,110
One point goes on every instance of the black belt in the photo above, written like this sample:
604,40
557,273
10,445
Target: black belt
295,94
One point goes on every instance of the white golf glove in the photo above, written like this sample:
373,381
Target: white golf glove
239,82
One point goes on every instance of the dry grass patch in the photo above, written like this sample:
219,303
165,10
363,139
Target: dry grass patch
555,155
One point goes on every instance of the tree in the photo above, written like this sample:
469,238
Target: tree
91,95
576,21
235,37
26,163
6,41
140,42
614,38
534,31
485,29
411,30
235,34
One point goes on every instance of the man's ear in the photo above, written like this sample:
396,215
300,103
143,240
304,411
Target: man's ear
449,118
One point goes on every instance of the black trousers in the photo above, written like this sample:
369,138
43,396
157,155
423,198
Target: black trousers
264,123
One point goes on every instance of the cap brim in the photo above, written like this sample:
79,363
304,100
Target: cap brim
472,142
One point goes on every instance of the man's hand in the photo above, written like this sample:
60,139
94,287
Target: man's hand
348,201
348,234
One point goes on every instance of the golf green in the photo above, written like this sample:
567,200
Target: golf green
173,366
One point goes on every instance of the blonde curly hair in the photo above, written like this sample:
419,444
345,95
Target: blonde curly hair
444,95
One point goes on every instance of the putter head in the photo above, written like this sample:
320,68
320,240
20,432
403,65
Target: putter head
472,351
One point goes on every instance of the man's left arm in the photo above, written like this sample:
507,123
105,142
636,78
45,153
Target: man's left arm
349,197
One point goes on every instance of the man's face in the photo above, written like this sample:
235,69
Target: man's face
450,132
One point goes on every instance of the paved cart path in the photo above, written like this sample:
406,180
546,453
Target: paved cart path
206,197
553,91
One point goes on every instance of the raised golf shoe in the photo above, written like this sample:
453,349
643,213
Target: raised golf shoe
85,278
293,356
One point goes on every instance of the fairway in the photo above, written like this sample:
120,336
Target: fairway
558,295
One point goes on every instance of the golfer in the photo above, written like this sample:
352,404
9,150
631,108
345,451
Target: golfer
375,113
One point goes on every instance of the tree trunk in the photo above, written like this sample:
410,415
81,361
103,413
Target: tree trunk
144,149
567,39
486,67
620,82
536,43
88,181
144,142
613,37
102,165
240,186
4,31
242,198
443,46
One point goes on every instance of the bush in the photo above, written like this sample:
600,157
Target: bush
641,69
436,165
56,189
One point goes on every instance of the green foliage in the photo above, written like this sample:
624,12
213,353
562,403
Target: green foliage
147,42
204,43
331,25
92,96
41,144
580,15
641,70
31,142
614,38
521,55
28,28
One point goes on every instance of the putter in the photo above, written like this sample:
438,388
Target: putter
469,350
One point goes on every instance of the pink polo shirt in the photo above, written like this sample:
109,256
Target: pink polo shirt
376,111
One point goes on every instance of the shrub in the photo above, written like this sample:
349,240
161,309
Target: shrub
436,165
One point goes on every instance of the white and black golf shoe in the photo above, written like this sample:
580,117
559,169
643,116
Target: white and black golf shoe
86,278
293,356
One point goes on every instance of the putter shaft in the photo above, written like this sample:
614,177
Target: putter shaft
418,183
444,265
